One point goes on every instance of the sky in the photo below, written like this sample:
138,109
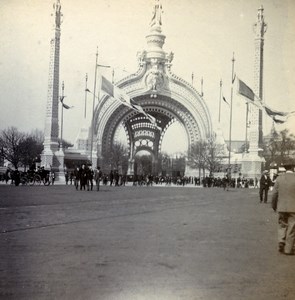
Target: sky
202,34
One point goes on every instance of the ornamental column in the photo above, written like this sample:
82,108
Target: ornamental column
256,130
51,157
252,162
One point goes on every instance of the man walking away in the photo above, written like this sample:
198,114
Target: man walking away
283,201
265,183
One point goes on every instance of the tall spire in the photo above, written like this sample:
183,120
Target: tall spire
256,130
49,159
252,161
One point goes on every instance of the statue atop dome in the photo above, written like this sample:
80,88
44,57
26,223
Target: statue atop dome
157,14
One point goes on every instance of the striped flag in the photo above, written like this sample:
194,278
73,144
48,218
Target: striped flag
120,95
279,117
115,92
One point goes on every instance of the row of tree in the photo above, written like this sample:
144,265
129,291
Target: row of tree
279,148
21,148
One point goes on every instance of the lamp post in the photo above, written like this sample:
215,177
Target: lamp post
93,102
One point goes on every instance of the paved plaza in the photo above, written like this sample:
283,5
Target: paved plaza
138,243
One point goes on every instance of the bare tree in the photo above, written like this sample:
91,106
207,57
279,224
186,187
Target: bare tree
196,156
31,148
214,155
11,145
206,155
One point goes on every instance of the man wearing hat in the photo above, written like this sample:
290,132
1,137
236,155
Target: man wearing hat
283,201
265,183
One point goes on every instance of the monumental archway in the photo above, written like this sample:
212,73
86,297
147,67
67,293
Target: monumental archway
161,94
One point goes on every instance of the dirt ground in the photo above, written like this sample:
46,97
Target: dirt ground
138,243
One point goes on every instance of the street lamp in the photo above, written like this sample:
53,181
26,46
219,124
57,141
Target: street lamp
93,102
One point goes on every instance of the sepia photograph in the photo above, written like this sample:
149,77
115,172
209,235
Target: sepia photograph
147,149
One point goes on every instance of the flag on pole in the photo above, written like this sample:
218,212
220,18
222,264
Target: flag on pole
120,95
279,119
115,92
278,116
272,112
225,100
245,91
63,104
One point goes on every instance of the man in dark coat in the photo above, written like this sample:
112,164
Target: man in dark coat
83,177
76,177
90,174
265,184
283,201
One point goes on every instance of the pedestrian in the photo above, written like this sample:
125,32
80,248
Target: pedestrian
77,177
225,182
67,177
83,177
52,177
283,201
71,177
90,174
264,185
16,175
97,177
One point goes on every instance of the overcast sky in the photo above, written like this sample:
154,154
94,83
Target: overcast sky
203,34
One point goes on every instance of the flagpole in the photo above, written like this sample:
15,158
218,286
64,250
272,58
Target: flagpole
231,113
192,78
220,92
86,79
62,115
93,104
246,137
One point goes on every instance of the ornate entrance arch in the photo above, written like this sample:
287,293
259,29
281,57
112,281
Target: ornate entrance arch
161,94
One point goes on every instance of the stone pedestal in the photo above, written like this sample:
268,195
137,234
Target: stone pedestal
59,171
252,165
47,158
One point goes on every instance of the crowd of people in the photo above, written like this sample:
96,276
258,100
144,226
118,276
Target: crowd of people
29,176
85,177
